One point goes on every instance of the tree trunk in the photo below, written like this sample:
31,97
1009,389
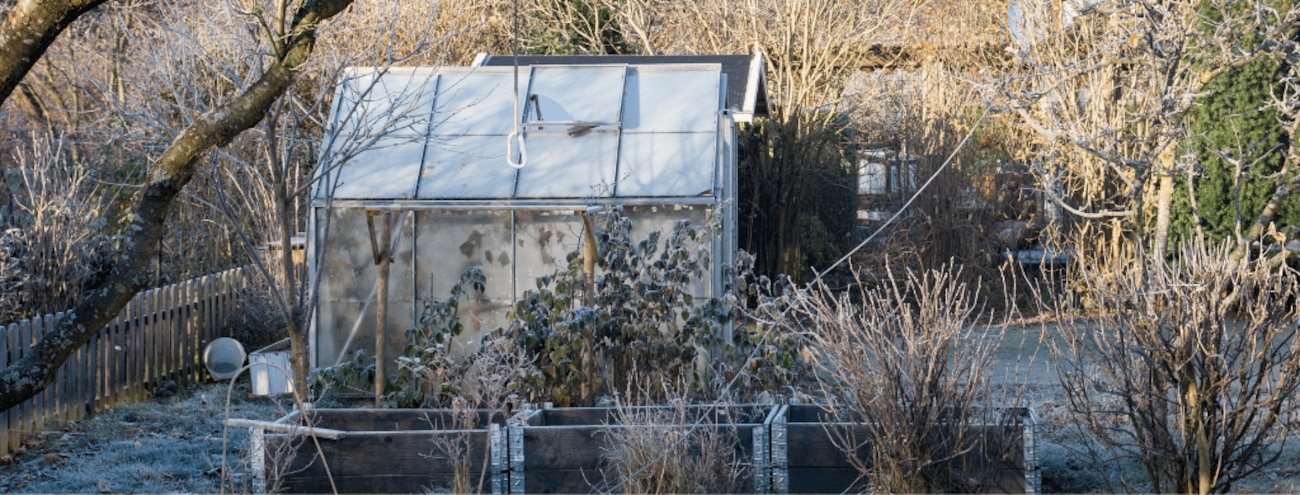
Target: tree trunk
127,272
1288,181
28,31
1164,205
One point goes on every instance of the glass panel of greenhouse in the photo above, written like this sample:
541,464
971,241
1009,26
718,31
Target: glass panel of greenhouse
415,164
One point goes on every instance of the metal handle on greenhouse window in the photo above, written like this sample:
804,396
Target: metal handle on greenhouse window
510,150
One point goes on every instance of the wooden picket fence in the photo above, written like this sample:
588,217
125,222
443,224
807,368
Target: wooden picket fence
158,337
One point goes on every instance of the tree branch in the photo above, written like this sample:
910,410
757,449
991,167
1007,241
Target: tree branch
167,177
28,31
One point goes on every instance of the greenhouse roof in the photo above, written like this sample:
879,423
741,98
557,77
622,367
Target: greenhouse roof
746,81
589,131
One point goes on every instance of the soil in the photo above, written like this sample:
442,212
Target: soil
174,444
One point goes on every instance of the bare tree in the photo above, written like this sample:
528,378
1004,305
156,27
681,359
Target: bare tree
291,31
1108,87
29,29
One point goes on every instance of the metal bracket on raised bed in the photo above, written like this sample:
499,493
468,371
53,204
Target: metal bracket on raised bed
1033,471
515,440
780,452
500,472
762,461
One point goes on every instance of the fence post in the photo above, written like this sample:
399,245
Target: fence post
4,415
136,351
205,316
15,414
176,311
112,361
164,312
29,406
191,358
60,394
148,317
92,370
78,373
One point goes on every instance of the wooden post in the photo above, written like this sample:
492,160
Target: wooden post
78,384
171,330
193,353
113,359
146,340
61,394
130,332
589,255
4,415
29,407
137,350
383,251
13,417
180,301
205,313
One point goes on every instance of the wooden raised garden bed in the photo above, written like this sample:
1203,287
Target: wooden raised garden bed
384,451
805,459
565,450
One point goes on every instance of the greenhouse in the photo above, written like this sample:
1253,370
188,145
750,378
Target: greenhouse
427,172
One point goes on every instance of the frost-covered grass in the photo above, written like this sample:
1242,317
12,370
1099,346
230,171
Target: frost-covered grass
162,445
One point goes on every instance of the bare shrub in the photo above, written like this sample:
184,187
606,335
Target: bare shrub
662,450
908,362
52,241
1187,368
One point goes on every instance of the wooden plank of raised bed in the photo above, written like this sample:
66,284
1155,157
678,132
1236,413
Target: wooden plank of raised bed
395,420
579,447
589,480
422,483
561,447
572,416
384,457
812,445
827,480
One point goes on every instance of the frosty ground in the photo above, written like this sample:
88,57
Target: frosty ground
162,445
174,444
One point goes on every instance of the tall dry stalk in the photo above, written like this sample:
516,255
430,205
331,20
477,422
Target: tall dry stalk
661,450
909,362
1186,368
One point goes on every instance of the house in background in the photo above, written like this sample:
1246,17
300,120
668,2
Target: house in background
415,170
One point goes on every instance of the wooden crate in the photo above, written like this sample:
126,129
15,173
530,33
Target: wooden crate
805,459
384,451
561,450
